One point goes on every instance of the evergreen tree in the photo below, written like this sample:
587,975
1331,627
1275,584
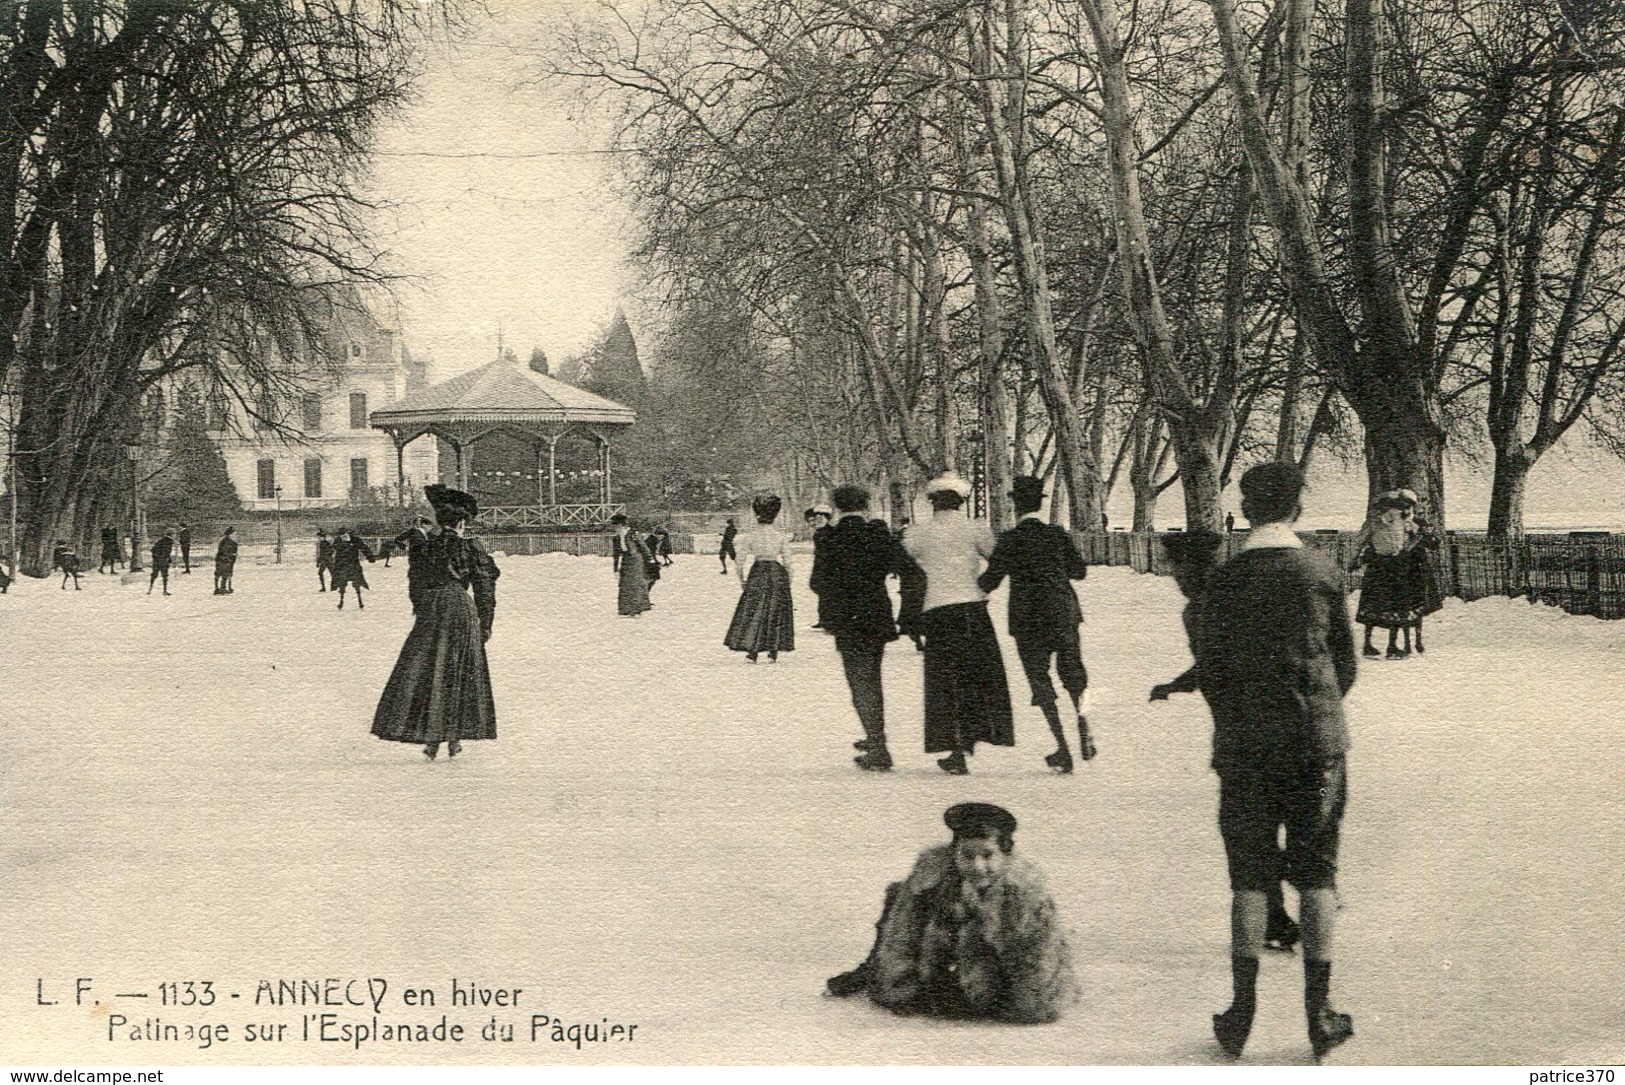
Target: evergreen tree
615,371
193,483
538,361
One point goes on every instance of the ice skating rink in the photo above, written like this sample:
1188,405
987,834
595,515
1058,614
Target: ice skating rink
664,835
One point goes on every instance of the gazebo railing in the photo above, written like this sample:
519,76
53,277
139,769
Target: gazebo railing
549,516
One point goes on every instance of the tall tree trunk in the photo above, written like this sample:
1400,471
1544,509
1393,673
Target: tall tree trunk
1194,428
1506,493
1032,275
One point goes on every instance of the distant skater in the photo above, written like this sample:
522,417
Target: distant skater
1041,561
1275,657
324,558
440,689
112,557
184,537
225,561
65,558
764,619
632,580
660,545
818,520
729,533
348,550
967,696
162,552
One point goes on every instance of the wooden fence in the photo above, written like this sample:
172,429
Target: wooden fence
1583,572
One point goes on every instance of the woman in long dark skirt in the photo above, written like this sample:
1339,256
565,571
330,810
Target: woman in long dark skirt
440,690
765,618
967,697
632,597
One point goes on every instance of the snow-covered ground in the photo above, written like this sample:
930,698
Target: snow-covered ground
667,836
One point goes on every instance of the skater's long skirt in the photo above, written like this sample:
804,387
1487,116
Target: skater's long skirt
441,687
633,596
765,619
967,699
1385,592
1426,597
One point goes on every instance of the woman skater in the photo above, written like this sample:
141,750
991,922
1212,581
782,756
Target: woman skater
967,698
1426,595
440,690
633,597
765,619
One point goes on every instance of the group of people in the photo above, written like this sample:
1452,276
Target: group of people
339,558
1399,587
946,566
636,562
972,931
161,558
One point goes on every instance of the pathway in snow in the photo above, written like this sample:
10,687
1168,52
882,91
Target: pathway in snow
666,835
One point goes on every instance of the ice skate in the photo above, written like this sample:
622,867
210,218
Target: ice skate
1327,1029
453,748
1398,653
1231,1028
1370,651
431,750
954,764
1086,744
849,983
876,759
1060,760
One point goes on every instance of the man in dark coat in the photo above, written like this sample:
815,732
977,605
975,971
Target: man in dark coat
348,550
110,551
818,523
324,558
161,554
411,540
727,551
63,557
850,583
1274,658
1041,561
185,539
225,562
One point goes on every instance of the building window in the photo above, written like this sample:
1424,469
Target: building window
219,411
358,477
313,477
358,410
357,351
312,405
267,472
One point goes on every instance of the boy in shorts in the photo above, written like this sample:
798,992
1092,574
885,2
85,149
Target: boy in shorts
1274,658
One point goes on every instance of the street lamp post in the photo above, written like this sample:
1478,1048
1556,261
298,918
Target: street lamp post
279,525
132,452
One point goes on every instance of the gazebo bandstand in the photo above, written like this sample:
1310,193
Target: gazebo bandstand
537,410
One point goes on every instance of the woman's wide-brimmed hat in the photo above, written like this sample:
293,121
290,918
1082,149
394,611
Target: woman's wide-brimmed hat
971,817
445,499
948,483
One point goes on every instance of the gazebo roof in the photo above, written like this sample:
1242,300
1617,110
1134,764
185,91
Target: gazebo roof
503,391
